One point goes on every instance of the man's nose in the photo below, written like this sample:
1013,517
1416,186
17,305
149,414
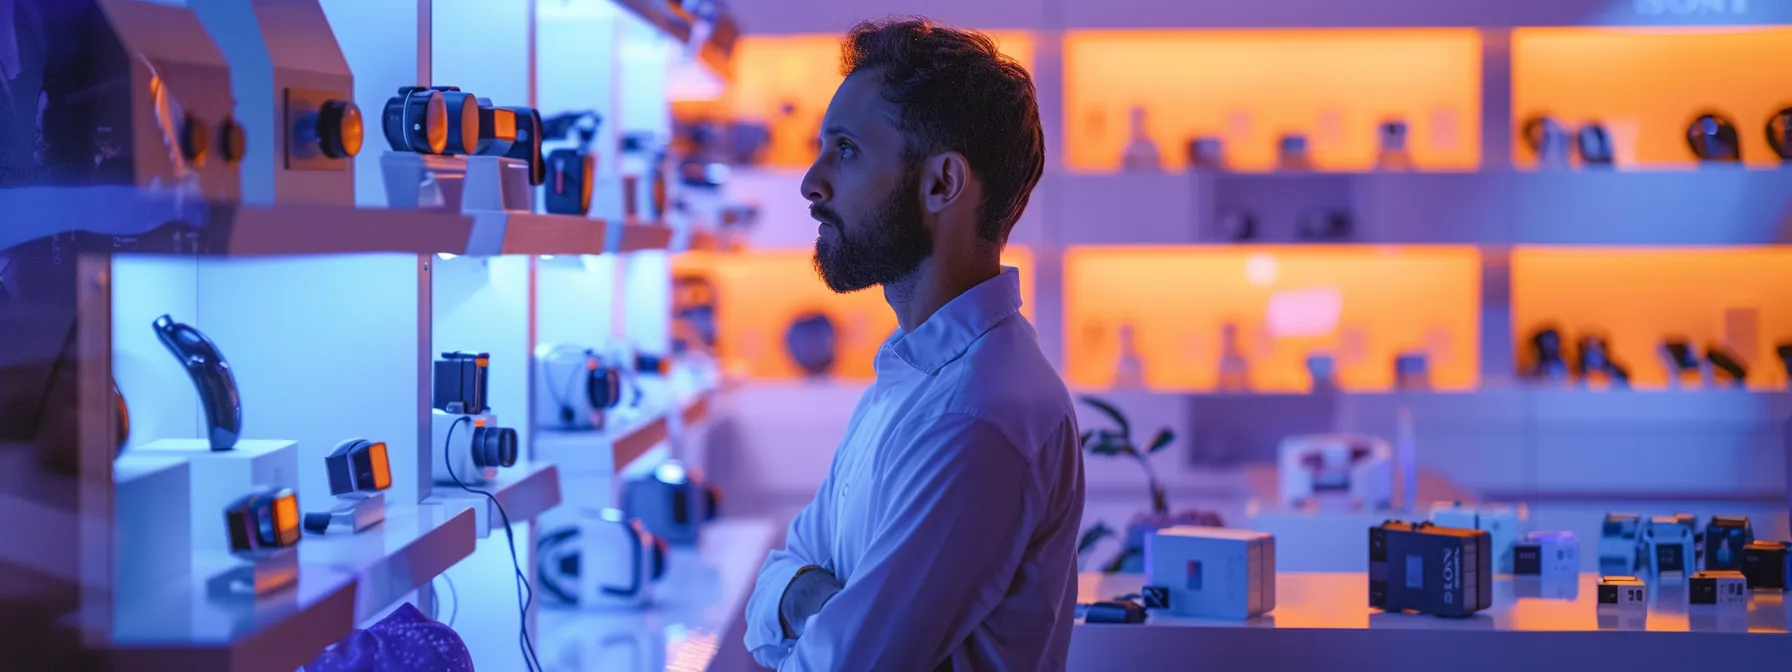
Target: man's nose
816,188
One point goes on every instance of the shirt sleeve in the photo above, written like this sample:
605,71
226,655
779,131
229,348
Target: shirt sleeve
809,541
954,520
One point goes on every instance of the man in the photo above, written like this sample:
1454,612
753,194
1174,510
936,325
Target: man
944,535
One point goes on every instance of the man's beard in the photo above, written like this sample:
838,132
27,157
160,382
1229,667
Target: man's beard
887,247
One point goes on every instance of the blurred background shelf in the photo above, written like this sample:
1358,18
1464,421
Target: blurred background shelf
389,561
528,233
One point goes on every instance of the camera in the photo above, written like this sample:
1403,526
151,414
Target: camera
1620,544
358,465
1501,523
1211,571
432,120
1623,592
1552,554
1724,539
673,501
1356,469
1668,546
574,387
266,519
1767,565
469,449
1721,587
1420,567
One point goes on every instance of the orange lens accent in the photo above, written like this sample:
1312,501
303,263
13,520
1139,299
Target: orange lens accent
286,519
382,469
469,123
435,123
353,130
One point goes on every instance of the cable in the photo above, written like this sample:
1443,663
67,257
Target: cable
525,596
455,612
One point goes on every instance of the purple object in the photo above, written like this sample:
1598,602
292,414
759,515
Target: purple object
406,641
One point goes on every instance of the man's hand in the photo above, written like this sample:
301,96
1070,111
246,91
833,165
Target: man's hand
803,598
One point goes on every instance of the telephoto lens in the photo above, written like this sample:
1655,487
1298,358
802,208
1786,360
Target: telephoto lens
433,120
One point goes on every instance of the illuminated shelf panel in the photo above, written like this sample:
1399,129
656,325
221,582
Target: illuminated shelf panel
1740,298
1359,303
760,292
1250,87
1717,206
786,82
1419,13
1647,85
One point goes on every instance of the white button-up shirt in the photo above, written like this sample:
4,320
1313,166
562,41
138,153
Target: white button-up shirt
950,512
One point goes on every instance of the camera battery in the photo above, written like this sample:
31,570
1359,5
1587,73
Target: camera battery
1501,523
1212,572
1767,565
1668,546
1429,569
1725,537
1623,592
1546,554
1720,587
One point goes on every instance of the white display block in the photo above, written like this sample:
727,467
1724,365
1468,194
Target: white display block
222,477
153,525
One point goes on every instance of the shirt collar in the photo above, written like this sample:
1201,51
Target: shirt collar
955,326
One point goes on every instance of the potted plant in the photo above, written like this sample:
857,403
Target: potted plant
1118,442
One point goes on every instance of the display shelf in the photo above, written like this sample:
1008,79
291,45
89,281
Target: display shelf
525,490
694,408
413,545
1322,618
633,438
527,233
691,624
1420,13
660,15
639,236
180,626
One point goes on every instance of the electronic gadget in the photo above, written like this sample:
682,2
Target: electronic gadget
211,376
469,448
1549,140
672,501
1669,547
1620,544
1595,145
1723,540
1784,351
432,120
1329,470
1424,568
1392,154
360,471
1291,153
1412,371
266,519
1237,225
575,387
1503,525
1547,364
513,133
461,382
1724,362
652,365
1622,592
1719,587
1212,571
1206,153
1595,364
1767,565
1779,134
1124,612
1550,554
1713,139
811,342
1323,225
571,162
606,560
1681,362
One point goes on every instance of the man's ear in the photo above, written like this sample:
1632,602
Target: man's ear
944,178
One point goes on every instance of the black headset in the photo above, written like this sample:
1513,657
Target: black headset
553,562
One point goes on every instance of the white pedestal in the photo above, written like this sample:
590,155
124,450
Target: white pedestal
219,478
256,575
353,513
1322,541
154,532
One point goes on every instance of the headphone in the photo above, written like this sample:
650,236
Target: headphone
558,556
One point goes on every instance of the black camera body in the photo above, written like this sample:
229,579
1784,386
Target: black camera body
1420,567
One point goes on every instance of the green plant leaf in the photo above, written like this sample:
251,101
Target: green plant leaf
1092,536
1161,441
1112,412
1084,441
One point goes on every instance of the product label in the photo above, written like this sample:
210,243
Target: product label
1452,572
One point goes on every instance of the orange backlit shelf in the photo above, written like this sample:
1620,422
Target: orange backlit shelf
1250,86
1639,296
800,72
1647,85
1364,304
761,291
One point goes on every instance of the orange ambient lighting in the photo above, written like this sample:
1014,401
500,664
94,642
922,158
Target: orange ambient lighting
802,71
1250,86
382,468
1636,297
1362,304
1647,85
761,291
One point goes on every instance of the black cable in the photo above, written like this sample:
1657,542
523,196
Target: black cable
525,595
455,612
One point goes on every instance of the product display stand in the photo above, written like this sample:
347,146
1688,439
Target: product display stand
354,512
220,477
155,527
256,575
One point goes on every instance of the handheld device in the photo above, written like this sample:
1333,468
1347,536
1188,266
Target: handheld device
263,520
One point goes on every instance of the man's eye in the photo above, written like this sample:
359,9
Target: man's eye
845,149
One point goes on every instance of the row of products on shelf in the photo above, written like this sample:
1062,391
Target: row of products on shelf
1712,137
1446,566
1591,362
1412,370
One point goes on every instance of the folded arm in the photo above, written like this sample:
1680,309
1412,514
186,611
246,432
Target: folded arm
808,542
956,513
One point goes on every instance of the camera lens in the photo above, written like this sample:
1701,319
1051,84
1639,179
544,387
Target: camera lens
462,128
416,120
494,446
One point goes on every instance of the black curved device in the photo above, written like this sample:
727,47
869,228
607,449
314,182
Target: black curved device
211,376
432,120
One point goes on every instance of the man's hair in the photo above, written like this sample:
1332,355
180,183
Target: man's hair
957,92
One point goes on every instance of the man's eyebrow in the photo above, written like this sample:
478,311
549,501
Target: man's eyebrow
837,129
